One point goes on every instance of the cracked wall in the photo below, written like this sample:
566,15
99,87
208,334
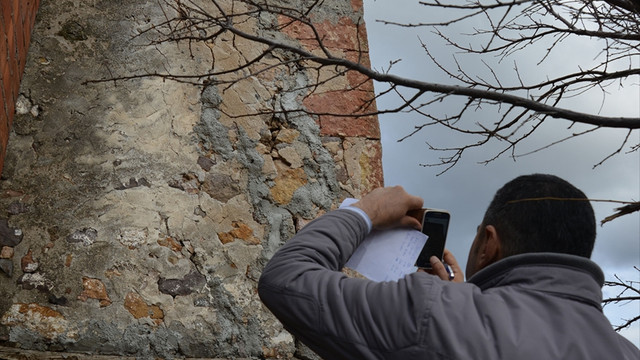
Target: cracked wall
138,215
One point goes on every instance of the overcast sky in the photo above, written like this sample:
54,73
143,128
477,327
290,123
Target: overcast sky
466,189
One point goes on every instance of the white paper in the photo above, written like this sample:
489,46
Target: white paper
388,255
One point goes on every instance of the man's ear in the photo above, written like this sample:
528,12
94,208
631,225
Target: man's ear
491,248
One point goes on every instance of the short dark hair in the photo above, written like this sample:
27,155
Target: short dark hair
542,213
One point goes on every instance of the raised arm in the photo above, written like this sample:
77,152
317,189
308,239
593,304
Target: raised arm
340,317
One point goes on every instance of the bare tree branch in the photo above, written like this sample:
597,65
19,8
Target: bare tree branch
624,287
520,108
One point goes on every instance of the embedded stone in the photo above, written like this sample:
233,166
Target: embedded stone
206,163
17,207
67,261
30,281
171,243
290,155
342,175
28,264
198,211
73,31
55,300
225,238
268,167
9,236
94,289
137,307
287,182
41,319
188,182
262,148
133,183
371,166
23,104
241,231
6,265
86,236
133,238
334,145
287,135
185,286
6,252
221,187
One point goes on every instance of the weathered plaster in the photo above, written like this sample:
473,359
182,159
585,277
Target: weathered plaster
139,214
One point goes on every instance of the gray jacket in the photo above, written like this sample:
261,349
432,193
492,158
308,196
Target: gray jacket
535,306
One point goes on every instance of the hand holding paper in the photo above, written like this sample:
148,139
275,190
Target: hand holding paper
388,207
388,255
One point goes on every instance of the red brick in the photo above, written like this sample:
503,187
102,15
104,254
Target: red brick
350,127
344,102
15,10
11,107
3,110
6,14
11,42
7,84
3,48
16,21
7,11
7,78
21,50
4,136
15,78
356,5
343,36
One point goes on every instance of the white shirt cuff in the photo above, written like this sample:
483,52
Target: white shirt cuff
347,204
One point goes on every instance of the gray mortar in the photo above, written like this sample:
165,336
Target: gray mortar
210,132
26,336
280,221
100,337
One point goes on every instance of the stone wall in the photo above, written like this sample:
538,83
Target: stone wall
137,215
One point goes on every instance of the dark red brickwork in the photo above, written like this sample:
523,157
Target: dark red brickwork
16,22
343,38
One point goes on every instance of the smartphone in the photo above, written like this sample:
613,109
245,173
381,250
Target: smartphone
435,224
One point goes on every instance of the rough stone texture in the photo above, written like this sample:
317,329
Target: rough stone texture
139,214
6,265
6,253
9,236
136,305
39,319
94,289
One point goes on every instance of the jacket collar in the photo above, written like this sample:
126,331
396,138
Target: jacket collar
567,276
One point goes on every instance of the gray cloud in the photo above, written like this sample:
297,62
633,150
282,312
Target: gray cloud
467,189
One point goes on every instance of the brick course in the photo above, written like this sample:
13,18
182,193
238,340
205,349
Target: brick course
16,22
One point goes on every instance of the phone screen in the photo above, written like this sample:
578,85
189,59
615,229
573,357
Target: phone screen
435,225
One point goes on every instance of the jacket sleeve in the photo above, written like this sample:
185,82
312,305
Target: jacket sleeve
336,316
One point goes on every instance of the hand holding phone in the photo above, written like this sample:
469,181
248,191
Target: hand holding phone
435,224
448,269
